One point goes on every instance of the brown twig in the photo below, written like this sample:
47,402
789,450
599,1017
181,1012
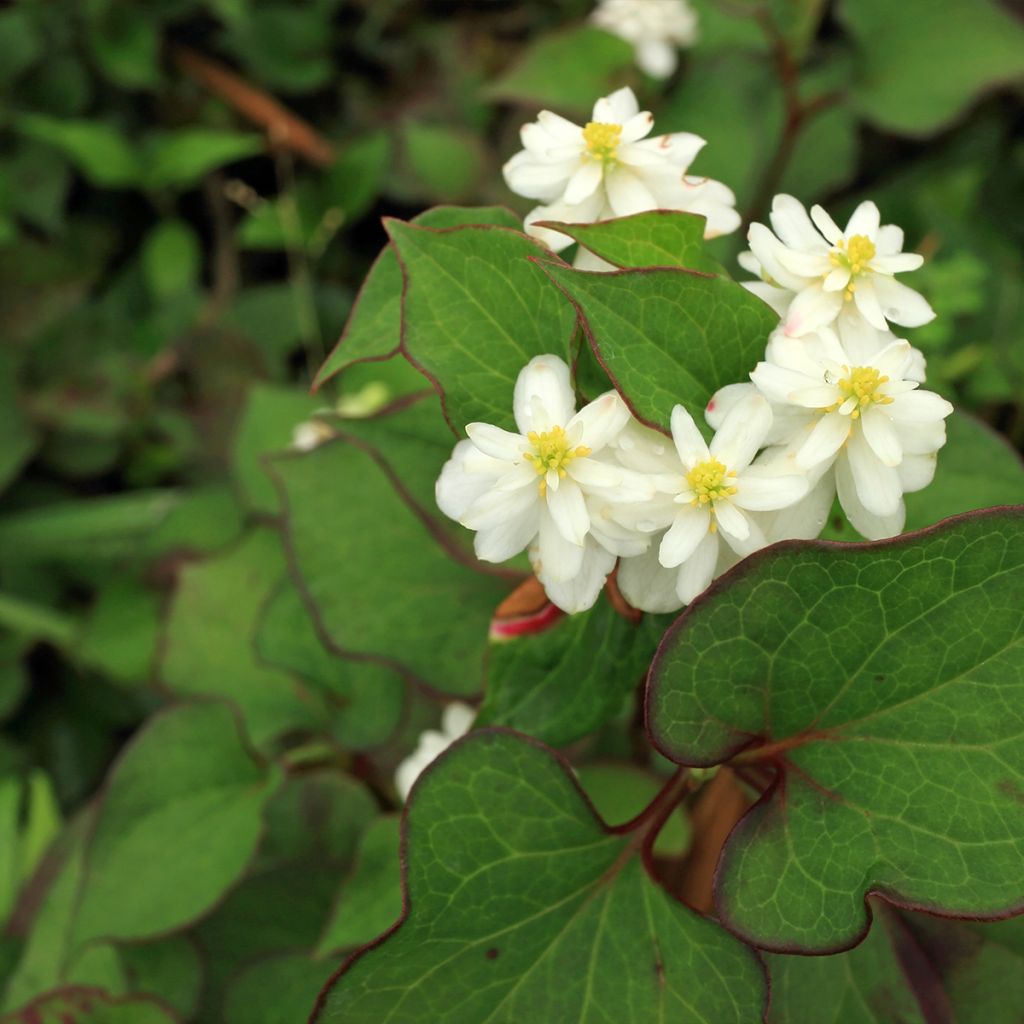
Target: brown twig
283,128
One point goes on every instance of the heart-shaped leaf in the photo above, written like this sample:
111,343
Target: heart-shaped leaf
884,684
523,906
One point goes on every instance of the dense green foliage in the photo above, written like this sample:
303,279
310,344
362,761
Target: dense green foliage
215,648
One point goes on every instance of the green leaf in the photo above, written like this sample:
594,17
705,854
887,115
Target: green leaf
170,969
353,181
666,336
567,70
171,259
120,635
268,421
180,819
403,599
981,965
374,328
572,678
884,978
21,44
883,683
179,159
272,991
98,150
657,238
522,906
619,792
209,640
976,43
370,899
476,310
367,699
125,40
80,1005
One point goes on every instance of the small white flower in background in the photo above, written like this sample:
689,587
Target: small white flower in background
866,417
455,723
543,488
815,275
310,434
609,168
656,29
704,493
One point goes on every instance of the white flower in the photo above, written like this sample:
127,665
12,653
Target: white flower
455,723
704,493
656,28
542,488
813,274
310,434
867,417
609,168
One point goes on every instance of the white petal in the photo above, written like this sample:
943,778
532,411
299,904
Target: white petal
731,520
917,472
837,279
456,720
825,224
616,108
889,240
527,175
656,57
683,536
723,400
627,194
495,507
762,489
697,571
579,592
545,378
813,307
458,487
646,584
591,473
806,518
583,183
865,221
902,305
558,559
868,524
878,485
804,264
569,511
893,359
866,300
689,442
791,223
601,420
766,248
778,384
636,128
561,129
824,441
880,435
507,538
919,406
898,264
742,432
495,442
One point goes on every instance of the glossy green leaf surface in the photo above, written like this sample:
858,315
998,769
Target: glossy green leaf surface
342,510
476,310
374,328
657,238
668,337
522,906
567,681
884,682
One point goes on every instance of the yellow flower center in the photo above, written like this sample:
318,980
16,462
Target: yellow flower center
859,389
551,451
602,139
710,481
856,254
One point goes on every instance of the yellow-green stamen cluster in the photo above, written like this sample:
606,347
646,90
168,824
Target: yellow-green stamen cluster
856,254
860,385
602,139
551,451
710,481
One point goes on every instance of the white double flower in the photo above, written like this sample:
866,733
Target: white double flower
610,168
655,28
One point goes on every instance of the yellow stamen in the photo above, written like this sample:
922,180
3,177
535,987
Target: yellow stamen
861,384
855,254
710,481
602,139
551,451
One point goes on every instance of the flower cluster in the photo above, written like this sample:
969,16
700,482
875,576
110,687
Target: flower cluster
834,408
611,168
655,28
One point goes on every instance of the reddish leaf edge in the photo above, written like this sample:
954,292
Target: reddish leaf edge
544,255
29,1013
1006,513
584,324
321,377
653,816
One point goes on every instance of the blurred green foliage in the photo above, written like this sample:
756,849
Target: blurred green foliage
177,258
